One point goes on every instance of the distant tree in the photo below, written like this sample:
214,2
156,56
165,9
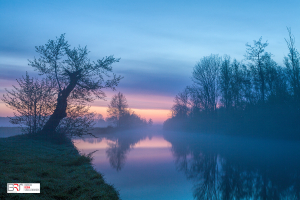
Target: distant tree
131,120
33,101
117,108
121,116
276,83
150,122
76,77
257,55
99,117
258,98
226,82
205,78
99,120
241,85
292,63
181,108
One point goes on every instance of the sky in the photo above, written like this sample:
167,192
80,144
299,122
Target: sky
159,42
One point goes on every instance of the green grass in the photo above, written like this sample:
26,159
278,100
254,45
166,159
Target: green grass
61,171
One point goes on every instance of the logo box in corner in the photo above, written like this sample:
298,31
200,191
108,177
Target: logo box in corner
23,187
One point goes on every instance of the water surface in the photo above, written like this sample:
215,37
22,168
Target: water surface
141,166
177,165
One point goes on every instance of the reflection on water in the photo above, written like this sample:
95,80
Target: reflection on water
237,168
156,165
139,164
117,145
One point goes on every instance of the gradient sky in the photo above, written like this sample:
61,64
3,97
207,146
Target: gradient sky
159,42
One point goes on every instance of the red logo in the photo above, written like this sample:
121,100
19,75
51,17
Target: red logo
16,186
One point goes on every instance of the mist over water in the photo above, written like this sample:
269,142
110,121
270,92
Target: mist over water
156,164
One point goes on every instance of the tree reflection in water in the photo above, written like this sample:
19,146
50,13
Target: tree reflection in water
224,167
117,155
121,144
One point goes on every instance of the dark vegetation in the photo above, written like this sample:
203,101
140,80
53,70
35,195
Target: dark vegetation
120,116
34,101
56,105
62,172
50,111
257,97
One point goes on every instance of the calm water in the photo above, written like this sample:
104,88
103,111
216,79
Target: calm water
169,165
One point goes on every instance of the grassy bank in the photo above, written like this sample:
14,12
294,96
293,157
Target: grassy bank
62,172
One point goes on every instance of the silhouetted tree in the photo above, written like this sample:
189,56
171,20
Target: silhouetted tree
33,102
181,107
99,120
117,108
131,120
292,63
79,121
257,55
77,78
241,85
150,122
258,98
275,81
205,78
226,83
121,116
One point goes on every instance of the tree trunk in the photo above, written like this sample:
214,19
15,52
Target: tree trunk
61,106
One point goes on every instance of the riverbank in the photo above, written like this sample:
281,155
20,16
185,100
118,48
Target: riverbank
61,171
269,121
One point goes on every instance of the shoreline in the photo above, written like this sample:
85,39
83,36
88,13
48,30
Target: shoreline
61,171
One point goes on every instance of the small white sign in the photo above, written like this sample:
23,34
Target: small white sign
23,187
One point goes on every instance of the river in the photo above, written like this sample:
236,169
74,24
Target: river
152,164
156,164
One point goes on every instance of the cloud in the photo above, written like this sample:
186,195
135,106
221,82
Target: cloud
154,77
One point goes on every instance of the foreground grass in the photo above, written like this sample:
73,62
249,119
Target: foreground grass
61,171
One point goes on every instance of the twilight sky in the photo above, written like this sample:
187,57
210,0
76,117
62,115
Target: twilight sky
159,42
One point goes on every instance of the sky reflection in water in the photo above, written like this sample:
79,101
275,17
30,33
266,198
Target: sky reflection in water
156,165
141,166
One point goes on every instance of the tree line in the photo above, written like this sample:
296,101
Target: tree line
257,96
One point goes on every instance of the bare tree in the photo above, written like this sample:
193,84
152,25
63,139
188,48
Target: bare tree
226,78
77,78
257,55
181,108
33,102
205,78
79,121
293,67
121,116
117,108
241,85
150,122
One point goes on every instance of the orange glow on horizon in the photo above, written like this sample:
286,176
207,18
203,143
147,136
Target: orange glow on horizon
157,115
155,142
